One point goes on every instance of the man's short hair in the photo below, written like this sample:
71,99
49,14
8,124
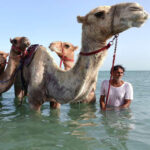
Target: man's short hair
116,67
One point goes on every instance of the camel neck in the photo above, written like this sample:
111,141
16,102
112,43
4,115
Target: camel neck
89,45
87,67
12,64
9,72
68,65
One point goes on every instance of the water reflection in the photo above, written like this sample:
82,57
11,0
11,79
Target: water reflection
81,120
82,111
117,126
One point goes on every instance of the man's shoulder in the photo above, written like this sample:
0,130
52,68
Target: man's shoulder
128,84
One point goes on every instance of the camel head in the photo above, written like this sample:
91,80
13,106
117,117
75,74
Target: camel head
3,57
63,48
19,44
105,21
3,54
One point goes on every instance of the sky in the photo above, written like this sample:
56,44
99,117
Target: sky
45,21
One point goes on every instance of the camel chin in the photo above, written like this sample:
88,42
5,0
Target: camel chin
131,24
138,24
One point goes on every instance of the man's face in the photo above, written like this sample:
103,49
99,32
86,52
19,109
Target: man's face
117,74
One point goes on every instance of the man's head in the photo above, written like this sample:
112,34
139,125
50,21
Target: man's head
117,72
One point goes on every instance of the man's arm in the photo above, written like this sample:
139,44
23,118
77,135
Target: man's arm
126,104
102,102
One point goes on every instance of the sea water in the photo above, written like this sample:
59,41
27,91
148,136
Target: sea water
79,126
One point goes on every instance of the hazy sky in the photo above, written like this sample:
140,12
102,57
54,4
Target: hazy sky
45,21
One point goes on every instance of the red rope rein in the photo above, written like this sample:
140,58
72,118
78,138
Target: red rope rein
113,62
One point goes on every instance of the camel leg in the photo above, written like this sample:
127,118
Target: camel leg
55,105
19,92
93,100
35,107
35,102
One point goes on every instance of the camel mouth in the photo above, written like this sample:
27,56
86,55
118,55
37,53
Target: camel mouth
54,49
137,18
137,14
140,21
57,51
26,42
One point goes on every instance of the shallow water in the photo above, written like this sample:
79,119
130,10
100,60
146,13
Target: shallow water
79,126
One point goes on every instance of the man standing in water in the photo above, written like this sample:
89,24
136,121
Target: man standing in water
121,92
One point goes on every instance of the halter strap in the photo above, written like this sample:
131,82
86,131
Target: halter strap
64,58
67,59
112,21
97,51
16,49
22,53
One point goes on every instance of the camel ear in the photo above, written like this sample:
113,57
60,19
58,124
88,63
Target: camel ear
11,41
14,41
81,19
75,48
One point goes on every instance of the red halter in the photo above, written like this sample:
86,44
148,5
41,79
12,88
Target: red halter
22,54
64,58
113,62
97,51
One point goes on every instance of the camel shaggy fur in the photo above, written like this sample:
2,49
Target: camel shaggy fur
19,45
46,80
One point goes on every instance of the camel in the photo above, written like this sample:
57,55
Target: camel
19,45
46,80
3,58
65,51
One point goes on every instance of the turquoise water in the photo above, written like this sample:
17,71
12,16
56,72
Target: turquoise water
79,127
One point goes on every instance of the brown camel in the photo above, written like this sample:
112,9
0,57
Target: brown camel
19,45
65,51
3,58
46,80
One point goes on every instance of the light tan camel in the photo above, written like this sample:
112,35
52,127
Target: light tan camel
46,80
3,59
19,45
65,51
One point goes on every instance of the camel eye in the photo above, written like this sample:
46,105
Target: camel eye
100,14
67,46
14,41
